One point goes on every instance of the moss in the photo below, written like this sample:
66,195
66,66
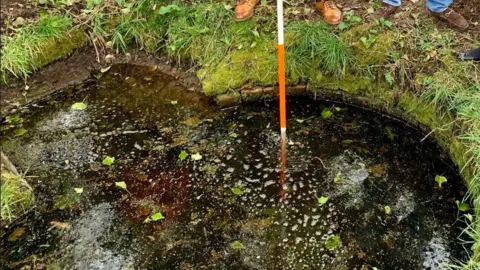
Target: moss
55,48
349,83
257,64
375,55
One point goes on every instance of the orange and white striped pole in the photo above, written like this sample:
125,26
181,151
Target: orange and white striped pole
281,71
282,96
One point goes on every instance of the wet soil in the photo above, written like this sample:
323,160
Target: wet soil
359,190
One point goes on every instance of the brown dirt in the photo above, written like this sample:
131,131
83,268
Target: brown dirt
10,10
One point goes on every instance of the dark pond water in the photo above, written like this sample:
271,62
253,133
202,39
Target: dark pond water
359,193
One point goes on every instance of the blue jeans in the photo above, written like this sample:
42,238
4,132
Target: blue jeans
432,5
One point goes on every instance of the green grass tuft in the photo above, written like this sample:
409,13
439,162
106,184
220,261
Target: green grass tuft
16,196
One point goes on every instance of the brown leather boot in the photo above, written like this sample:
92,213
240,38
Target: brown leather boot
453,18
244,9
331,13
384,11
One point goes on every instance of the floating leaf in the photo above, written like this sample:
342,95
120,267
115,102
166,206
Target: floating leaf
121,185
390,133
338,109
300,120
326,113
174,102
388,210
183,155
108,160
196,156
78,190
60,225
462,206
79,106
157,216
338,178
333,242
105,69
19,131
322,200
237,245
233,135
440,180
237,191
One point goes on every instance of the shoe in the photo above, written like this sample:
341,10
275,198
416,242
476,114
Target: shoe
331,13
453,18
470,55
384,11
244,9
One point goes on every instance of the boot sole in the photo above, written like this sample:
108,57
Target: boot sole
243,19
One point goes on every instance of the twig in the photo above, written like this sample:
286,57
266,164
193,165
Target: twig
9,165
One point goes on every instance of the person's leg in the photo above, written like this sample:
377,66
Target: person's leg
438,5
442,9
387,8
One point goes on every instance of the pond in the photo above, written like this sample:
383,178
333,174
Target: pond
152,176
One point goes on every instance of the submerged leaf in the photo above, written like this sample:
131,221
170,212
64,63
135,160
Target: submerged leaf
196,156
300,120
333,242
19,131
105,69
108,160
233,135
322,200
79,106
440,180
237,245
60,225
326,113
121,184
183,155
388,210
237,191
157,216
78,190
174,102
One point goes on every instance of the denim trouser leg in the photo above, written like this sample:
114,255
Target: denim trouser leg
395,3
438,5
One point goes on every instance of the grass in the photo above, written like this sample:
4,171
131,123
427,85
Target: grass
16,196
312,45
19,51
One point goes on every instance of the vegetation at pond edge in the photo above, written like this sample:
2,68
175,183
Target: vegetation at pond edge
412,69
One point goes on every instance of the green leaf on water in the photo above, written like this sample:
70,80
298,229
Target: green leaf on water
157,216
440,180
196,156
388,210
174,102
121,185
79,106
105,69
326,113
462,206
78,190
19,131
333,242
322,200
338,109
233,135
108,160
390,133
300,120
338,178
183,155
237,191
237,245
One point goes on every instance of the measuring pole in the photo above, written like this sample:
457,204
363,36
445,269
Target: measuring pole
281,72
282,96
